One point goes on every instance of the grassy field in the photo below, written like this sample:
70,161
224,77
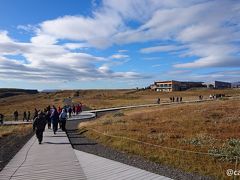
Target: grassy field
209,127
204,127
12,139
95,99
14,130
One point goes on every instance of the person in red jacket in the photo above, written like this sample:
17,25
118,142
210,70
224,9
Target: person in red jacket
59,109
79,108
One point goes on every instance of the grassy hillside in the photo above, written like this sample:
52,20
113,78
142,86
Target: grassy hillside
95,98
7,92
209,127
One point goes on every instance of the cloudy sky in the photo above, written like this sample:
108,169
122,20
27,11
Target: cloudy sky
52,44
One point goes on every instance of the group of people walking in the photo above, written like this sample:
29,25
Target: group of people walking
26,115
54,118
72,110
172,99
215,96
175,99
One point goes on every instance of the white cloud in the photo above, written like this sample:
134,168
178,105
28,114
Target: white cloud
4,37
194,23
42,39
73,46
119,56
28,28
163,48
211,61
179,72
208,31
122,51
225,75
156,65
52,62
95,30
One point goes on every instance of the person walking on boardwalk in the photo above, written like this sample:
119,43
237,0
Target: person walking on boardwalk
24,115
74,110
54,119
1,118
70,112
35,113
15,114
63,119
29,116
59,109
39,124
79,108
48,114
158,101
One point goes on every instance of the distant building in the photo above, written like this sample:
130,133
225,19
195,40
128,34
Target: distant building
169,86
222,85
236,85
218,85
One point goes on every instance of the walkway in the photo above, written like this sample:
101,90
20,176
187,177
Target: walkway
96,167
143,105
54,159
16,122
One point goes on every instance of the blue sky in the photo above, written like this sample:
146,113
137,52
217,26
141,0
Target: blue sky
72,44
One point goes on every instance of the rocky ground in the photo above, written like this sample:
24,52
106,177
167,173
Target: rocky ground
82,143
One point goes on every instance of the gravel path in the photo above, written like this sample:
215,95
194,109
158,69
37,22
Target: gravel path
80,142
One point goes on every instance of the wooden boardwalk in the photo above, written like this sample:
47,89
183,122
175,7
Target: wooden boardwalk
145,105
16,122
53,159
100,168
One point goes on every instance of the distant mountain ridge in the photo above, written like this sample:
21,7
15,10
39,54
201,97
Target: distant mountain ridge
7,92
51,90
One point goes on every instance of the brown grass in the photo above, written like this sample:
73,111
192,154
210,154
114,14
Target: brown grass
14,130
108,98
95,99
197,127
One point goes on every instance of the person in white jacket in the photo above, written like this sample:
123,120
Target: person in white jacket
63,119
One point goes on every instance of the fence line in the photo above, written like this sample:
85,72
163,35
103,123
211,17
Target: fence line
160,146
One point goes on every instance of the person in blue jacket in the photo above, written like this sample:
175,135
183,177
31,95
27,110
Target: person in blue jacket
63,119
54,119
